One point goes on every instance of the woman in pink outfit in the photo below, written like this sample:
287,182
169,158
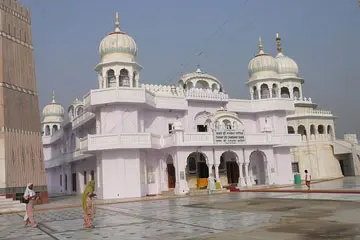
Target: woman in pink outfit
31,197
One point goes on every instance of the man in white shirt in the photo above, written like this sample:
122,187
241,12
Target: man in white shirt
307,179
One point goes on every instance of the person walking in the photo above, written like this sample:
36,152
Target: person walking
30,198
307,179
87,204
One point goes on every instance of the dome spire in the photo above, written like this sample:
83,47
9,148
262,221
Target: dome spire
53,97
117,23
278,43
261,48
198,68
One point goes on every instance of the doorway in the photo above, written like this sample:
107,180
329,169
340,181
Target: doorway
203,170
171,175
232,170
73,180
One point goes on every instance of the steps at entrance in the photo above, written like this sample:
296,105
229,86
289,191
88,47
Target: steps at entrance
10,205
232,188
171,192
197,192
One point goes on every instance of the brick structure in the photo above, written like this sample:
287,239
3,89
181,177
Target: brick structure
21,155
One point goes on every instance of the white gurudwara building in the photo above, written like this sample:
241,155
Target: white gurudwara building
138,139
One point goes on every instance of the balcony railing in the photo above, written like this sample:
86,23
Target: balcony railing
83,118
148,140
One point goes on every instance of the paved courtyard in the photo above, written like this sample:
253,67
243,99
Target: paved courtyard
226,216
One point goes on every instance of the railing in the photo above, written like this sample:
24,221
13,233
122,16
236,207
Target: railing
148,140
206,94
312,112
83,118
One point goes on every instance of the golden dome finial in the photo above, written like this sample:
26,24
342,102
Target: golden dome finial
53,96
260,44
278,43
117,22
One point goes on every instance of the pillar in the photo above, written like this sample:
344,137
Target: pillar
247,177
181,186
117,77
241,181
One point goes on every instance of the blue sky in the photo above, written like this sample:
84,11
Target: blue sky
322,36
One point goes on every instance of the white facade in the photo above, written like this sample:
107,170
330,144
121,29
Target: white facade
139,139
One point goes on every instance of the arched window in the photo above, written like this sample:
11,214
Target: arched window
189,85
321,129
54,128
285,92
301,130
124,80
202,84
255,94
80,111
274,90
227,124
134,80
214,87
264,91
192,165
111,79
47,130
330,132
296,92
312,129
291,130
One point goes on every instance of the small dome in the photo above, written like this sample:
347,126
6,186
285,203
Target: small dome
262,65
199,79
53,112
118,42
286,65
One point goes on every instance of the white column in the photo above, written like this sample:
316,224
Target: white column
210,165
241,181
117,81
249,176
181,186
217,177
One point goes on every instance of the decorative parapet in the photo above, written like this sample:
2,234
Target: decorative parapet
163,89
303,100
148,140
64,158
312,112
205,94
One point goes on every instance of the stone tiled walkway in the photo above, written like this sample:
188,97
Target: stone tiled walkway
159,219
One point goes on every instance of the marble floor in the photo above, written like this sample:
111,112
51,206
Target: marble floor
159,219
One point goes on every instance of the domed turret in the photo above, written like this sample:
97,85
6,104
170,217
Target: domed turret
199,79
118,66
287,66
263,65
53,115
118,42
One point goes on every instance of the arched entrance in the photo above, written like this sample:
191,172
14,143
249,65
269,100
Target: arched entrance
171,172
257,167
197,170
231,166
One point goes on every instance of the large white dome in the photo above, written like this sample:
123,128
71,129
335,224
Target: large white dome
53,112
262,65
286,65
117,42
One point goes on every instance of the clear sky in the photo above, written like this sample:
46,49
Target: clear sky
321,35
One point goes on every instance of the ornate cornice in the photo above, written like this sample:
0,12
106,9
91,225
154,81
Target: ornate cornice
14,39
17,88
21,131
14,13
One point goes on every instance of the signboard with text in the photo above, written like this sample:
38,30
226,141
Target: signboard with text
229,136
